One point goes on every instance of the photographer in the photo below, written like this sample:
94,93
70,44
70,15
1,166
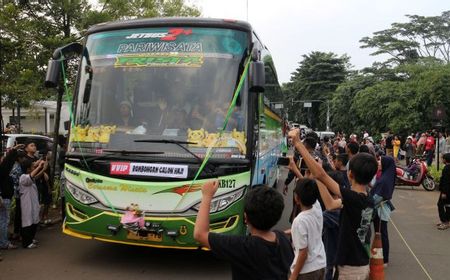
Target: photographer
7,192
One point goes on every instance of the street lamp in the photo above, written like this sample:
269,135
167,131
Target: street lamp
308,104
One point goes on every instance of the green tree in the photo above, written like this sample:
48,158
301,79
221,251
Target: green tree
121,10
404,105
343,118
32,29
421,37
316,78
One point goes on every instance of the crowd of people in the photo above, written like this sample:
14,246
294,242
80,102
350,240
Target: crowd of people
428,144
25,181
342,192
325,204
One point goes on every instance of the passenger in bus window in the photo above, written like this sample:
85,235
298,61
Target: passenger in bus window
178,119
162,114
216,115
196,118
181,103
125,120
237,120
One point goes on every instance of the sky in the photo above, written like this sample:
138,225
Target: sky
292,28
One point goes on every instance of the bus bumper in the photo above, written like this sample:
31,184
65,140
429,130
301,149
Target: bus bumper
176,232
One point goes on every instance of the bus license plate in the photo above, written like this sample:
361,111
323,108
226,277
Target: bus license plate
150,237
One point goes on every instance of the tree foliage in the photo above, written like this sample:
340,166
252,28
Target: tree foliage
30,30
316,78
401,92
421,37
404,105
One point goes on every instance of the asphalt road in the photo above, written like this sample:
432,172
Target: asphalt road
64,257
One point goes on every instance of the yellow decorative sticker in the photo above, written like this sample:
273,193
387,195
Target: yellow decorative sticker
92,134
201,138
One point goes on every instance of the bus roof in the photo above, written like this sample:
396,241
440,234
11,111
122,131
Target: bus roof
172,22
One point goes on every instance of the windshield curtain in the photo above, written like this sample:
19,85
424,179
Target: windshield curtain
161,84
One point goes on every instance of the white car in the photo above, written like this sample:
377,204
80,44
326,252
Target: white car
322,134
43,143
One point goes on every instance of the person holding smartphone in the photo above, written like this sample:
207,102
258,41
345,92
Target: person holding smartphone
7,193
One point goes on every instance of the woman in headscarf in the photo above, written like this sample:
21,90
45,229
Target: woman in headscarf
382,195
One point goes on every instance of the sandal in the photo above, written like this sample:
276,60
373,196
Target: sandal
443,226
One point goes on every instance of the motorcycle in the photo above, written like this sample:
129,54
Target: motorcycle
415,174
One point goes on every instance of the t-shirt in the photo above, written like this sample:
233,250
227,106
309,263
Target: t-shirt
252,257
354,224
429,143
345,180
444,183
307,232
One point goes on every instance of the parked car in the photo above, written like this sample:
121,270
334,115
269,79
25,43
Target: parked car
322,134
43,143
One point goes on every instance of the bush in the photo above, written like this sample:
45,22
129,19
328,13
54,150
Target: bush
435,173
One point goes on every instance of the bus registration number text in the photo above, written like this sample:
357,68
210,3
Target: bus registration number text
228,184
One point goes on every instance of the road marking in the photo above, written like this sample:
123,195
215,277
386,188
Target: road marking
409,248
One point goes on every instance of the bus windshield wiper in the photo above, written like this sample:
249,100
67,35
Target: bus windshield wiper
179,144
126,152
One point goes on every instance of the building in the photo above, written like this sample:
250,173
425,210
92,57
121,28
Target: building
39,118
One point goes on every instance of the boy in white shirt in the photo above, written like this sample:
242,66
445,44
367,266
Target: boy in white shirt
310,259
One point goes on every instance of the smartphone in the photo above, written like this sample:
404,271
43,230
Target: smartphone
284,161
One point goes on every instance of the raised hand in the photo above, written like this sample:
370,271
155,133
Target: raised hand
210,188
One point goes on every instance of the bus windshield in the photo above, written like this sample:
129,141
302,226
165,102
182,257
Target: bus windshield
161,84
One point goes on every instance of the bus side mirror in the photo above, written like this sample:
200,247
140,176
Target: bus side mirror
53,73
257,76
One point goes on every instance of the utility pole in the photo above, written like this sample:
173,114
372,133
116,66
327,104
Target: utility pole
247,10
1,126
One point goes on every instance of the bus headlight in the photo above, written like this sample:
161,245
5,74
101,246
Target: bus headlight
80,195
222,202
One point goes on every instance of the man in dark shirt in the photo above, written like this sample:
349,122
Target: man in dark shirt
389,147
444,188
264,254
341,166
352,257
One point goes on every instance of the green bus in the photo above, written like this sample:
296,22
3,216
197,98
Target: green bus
159,107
